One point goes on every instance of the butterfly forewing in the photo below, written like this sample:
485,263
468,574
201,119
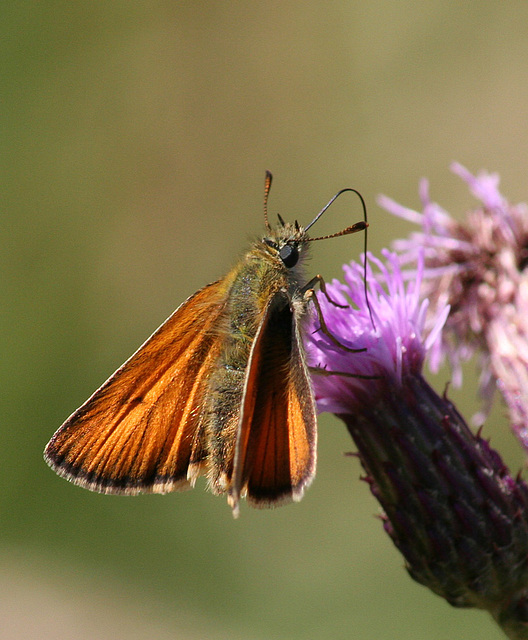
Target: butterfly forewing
139,431
276,440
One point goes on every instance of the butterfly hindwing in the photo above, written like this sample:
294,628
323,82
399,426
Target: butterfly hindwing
276,442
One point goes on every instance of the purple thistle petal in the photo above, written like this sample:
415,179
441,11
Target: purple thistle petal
485,186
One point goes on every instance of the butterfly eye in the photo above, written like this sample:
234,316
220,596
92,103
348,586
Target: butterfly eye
289,255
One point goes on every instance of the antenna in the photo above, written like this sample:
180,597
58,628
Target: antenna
358,226
267,186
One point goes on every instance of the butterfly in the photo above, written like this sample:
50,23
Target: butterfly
221,389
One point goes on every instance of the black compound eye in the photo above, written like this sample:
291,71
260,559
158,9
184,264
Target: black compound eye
289,255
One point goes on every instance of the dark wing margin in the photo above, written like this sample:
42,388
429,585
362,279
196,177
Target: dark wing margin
275,453
137,432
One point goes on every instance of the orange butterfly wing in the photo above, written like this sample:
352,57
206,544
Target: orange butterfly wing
141,431
275,453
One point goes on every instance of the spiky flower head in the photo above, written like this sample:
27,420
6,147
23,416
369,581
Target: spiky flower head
479,268
450,504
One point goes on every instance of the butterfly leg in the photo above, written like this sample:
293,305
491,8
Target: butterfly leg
318,279
309,296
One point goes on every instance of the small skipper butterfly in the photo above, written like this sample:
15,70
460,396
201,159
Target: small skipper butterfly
222,388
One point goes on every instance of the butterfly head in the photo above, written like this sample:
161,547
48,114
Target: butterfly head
287,243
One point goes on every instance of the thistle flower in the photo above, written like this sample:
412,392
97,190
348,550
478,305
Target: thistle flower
450,504
478,267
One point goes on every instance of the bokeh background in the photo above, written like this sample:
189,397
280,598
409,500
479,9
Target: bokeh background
135,139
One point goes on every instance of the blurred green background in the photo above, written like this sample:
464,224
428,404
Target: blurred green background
135,140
